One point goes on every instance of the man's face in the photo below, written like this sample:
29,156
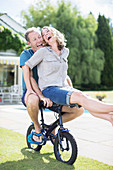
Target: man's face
35,41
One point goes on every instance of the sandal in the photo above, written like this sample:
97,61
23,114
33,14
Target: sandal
31,140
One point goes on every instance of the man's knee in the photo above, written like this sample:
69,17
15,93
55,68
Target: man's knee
33,100
81,110
78,112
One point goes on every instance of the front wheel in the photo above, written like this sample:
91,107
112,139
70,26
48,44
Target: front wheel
32,146
65,148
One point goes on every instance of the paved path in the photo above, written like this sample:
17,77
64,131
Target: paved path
94,136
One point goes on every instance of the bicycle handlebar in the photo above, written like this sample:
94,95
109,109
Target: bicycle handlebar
41,105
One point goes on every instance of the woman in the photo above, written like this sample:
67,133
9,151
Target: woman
52,71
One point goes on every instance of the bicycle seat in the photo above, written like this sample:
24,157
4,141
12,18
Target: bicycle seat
56,107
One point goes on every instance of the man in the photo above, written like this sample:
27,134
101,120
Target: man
32,96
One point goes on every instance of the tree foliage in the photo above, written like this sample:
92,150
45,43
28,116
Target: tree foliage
105,43
40,14
10,40
86,61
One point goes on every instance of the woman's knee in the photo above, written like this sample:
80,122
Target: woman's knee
76,97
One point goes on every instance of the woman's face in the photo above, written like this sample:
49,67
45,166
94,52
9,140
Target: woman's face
48,36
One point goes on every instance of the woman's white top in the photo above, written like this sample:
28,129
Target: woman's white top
52,69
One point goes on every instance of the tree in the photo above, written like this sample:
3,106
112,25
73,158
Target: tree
39,15
85,60
105,44
89,60
10,40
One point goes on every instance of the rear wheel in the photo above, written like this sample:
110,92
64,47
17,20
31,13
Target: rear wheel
30,145
66,150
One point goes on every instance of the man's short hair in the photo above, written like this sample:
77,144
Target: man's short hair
29,30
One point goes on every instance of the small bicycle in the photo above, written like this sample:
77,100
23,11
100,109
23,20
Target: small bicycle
65,146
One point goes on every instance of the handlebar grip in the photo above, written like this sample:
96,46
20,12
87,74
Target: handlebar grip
41,104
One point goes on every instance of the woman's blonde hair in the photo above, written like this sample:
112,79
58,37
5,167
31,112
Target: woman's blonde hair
61,41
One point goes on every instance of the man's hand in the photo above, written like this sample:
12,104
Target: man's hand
27,95
47,101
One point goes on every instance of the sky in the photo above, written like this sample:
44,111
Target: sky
14,7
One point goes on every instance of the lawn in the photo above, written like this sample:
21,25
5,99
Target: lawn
14,155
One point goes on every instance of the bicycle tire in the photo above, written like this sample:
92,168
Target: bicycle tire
68,143
32,146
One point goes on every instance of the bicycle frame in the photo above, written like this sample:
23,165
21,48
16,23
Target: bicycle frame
58,122
63,141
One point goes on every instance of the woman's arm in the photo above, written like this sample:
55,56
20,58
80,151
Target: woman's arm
69,81
36,58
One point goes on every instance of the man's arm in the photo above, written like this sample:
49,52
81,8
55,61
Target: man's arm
35,87
26,74
32,86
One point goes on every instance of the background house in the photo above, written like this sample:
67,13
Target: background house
10,23
10,72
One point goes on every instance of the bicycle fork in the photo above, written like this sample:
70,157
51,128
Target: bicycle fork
60,130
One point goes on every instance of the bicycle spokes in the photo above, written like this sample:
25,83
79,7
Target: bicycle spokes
65,148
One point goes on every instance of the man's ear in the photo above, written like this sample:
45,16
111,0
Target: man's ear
28,43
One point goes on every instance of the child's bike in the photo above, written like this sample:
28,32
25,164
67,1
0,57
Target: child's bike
65,147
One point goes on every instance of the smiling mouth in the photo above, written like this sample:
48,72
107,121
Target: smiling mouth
49,38
39,45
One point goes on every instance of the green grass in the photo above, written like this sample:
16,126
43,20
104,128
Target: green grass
14,155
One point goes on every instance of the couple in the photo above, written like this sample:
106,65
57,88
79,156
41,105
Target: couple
51,63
